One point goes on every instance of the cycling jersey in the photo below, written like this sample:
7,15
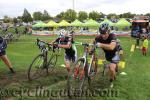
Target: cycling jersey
70,53
109,54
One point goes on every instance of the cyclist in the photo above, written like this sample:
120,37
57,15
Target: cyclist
3,55
108,43
66,41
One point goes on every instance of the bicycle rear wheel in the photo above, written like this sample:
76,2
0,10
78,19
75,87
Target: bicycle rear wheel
77,77
36,68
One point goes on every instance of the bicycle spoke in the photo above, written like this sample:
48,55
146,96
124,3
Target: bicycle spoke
36,68
52,63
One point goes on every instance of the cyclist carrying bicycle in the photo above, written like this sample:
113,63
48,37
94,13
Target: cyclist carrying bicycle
108,43
66,41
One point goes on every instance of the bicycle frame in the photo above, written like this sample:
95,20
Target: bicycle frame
85,54
45,47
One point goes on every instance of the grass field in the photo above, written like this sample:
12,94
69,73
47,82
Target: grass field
133,86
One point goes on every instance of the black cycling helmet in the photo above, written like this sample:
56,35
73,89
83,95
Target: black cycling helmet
104,28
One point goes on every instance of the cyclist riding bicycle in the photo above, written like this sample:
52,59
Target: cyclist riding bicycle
66,41
108,43
3,56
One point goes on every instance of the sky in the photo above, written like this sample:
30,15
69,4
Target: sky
14,8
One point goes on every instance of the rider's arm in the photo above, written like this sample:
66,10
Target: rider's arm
52,42
110,46
65,46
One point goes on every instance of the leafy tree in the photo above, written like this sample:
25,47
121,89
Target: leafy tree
127,15
37,15
46,16
15,20
112,15
147,14
60,15
94,15
7,19
82,15
70,15
26,16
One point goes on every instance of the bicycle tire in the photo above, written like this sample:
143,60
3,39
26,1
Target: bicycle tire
77,77
39,67
52,63
93,71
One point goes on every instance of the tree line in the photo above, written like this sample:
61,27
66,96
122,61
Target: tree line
69,15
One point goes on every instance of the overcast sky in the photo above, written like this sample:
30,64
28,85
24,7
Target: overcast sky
14,8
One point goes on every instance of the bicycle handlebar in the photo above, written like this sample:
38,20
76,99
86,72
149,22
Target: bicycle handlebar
87,44
42,45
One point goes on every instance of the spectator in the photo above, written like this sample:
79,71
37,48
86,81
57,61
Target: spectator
145,46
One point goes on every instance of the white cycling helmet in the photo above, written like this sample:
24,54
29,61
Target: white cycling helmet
62,32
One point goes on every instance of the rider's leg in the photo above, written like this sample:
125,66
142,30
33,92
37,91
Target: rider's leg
112,71
67,62
7,62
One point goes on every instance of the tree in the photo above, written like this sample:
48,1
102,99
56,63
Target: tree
147,14
112,15
15,20
94,15
60,16
26,16
70,15
37,15
82,15
127,15
46,16
7,19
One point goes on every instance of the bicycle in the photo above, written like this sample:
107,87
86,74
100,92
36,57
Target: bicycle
83,69
41,61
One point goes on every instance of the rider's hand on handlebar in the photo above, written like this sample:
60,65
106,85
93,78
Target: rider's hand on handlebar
91,51
55,45
98,44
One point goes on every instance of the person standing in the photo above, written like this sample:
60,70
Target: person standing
145,46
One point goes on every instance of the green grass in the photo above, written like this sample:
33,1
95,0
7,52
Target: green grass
133,86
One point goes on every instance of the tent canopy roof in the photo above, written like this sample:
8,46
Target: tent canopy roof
39,24
51,23
63,23
91,23
108,21
77,23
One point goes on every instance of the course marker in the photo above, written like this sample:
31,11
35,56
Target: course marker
122,64
62,65
123,73
132,48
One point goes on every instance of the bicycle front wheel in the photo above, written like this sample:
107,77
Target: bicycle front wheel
92,72
36,67
77,78
52,63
